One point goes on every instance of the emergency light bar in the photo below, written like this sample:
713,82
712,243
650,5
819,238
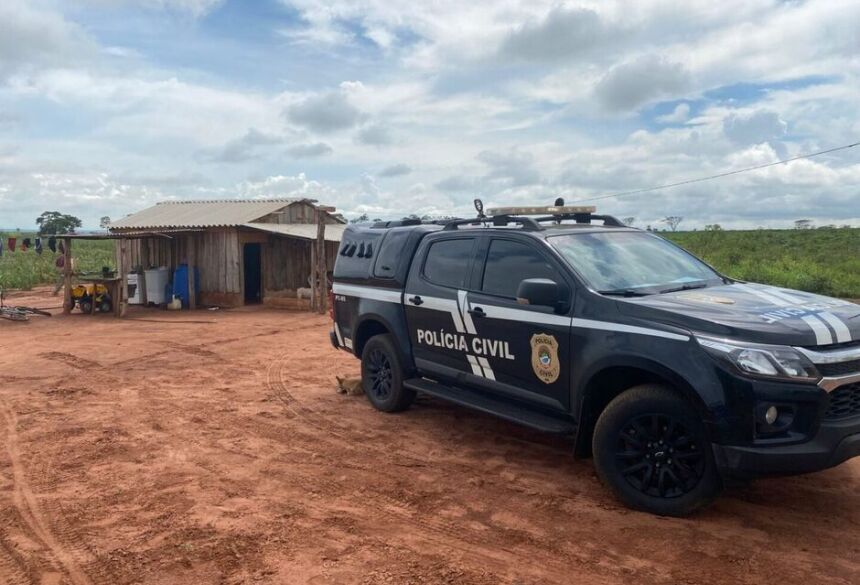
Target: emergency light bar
548,210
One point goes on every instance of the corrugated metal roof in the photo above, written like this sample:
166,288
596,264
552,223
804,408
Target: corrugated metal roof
200,214
306,231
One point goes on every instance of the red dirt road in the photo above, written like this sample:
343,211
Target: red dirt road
219,452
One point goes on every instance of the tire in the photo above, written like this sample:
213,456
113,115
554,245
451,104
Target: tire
382,375
651,449
86,306
105,306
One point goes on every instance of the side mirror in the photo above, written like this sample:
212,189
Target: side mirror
542,292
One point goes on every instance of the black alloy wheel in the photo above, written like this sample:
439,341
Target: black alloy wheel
652,450
658,456
382,375
379,371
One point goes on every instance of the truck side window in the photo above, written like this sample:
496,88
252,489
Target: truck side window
448,261
510,262
390,250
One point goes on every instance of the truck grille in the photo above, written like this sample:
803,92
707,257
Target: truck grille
839,368
844,402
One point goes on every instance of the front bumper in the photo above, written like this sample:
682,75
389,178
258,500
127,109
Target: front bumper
835,442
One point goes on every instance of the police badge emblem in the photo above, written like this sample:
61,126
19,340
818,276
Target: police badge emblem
545,358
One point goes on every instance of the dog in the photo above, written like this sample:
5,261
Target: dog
349,386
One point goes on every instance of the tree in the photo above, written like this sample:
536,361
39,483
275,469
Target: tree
803,224
54,222
673,221
104,222
363,218
713,227
628,220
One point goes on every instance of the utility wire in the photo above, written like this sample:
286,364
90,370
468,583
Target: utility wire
717,176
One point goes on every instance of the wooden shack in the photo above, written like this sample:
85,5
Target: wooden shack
244,251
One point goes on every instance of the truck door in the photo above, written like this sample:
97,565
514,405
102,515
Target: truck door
532,362
443,267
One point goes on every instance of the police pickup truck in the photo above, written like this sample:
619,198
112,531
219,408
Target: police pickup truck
674,377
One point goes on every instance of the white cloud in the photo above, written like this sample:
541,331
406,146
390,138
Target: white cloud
397,170
677,116
309,150
644,79
328,112
754,127
31,38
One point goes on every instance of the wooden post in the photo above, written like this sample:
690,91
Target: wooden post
121,301
67,276
320,264
192,293
313,276
144,265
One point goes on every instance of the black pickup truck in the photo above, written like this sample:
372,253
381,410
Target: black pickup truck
671,375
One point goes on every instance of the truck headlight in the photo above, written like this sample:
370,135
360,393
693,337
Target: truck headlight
776,361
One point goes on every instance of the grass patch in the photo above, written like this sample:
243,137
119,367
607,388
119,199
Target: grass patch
824,261
24,270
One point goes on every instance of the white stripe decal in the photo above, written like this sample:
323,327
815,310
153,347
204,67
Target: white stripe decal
607,326
368,292
816,322
473,361
773,300
347,342
488,370
447,305
822,333
463,303
843,334
546,319
494,312
785,296
338,335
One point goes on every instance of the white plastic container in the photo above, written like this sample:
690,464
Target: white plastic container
156,282
135,295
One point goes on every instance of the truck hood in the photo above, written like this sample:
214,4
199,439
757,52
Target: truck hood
753,312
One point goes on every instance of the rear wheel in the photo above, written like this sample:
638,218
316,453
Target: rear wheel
651,449
86,305
382,375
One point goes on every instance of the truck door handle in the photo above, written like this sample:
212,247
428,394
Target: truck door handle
416,300
477,312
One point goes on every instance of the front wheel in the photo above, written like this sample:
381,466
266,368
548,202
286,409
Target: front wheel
651,449
382,375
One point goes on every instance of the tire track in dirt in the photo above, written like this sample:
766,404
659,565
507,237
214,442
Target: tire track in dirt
71,360
31,512
445,533
10,569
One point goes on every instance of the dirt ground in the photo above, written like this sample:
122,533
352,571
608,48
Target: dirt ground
211,447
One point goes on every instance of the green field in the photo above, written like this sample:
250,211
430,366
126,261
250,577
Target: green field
824,261
24,270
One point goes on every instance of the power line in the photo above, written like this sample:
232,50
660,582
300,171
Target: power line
717,176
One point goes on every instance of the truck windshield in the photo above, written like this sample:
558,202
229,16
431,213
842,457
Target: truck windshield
632,263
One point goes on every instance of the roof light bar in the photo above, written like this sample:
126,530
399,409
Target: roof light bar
540,210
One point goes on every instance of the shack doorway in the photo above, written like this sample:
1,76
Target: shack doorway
253,273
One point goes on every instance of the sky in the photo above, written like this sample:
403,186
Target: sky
395,107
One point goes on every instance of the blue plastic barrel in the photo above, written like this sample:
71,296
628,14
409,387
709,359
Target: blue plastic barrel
180,283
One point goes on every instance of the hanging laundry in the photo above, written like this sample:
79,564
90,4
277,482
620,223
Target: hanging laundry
61,248
1,248
25,245
12,242
38,246
52,244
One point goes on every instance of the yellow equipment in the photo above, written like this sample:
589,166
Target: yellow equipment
82,295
